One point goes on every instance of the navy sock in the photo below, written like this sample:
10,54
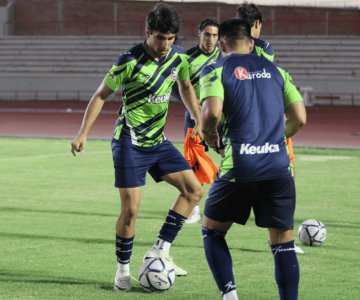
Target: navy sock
123,249
286,270
172,225
219,259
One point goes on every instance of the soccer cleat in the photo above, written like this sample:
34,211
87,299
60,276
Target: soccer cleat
122,283
298,250
194,218
156,253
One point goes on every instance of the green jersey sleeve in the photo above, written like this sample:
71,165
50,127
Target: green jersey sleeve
210,83
119,72
291,93
184,68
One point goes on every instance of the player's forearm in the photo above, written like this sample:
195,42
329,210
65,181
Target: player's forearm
210,117
209,121
92,112
296,118
192,104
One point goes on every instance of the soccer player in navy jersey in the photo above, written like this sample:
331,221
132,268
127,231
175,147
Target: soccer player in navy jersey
252,14
147,73
253,94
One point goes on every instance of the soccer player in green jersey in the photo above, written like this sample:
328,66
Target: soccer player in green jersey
204,53
252,14
147,73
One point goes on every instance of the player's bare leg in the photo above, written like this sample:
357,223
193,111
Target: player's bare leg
125,231
190,194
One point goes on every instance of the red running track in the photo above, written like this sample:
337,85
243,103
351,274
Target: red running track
327,127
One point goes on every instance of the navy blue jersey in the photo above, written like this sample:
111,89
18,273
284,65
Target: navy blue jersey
263,48
255,93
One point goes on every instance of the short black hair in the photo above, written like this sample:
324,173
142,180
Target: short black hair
249,12
235,29
208,22
163,18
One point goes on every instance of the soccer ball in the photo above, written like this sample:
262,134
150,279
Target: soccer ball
312,233
156,274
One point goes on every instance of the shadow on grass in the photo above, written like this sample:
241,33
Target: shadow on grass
61,238
158,215
27,276
49,211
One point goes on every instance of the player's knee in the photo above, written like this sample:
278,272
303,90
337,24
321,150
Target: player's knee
130,214
196,194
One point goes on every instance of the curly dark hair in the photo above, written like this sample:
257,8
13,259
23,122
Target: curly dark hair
163,18
249,12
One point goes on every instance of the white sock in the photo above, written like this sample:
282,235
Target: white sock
123,269
162,245
232,295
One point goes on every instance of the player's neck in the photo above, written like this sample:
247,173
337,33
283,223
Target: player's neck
152,53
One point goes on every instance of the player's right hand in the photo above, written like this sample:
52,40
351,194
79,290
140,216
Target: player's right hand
78,145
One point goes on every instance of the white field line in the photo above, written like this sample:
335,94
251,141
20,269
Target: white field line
321,158
51,110
42,156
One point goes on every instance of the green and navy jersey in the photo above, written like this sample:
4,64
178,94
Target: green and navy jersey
197,60
256,93
263,48
146,86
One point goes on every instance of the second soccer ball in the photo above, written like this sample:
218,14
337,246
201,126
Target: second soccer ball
312,233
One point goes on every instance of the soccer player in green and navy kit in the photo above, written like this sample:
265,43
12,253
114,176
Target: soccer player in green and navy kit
252,14
147,73
199,56
253,94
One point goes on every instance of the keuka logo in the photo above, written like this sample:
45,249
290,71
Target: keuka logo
263,149
242,74
158,99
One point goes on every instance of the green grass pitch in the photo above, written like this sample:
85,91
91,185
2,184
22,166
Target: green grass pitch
57,218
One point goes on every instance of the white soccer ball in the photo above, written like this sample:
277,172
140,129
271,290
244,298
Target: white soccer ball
156,274
312,233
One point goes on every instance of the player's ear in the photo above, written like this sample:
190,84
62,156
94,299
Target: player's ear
223,47
251,45
147,32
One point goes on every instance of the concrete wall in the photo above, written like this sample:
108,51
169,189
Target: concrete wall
109,17
6,18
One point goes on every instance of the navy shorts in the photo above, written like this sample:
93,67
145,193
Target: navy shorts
132,162
273,202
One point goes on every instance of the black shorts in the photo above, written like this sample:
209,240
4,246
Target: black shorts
273,202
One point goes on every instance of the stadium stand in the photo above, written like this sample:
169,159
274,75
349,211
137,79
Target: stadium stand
59,66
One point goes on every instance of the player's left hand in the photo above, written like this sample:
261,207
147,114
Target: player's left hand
212,139
197,131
